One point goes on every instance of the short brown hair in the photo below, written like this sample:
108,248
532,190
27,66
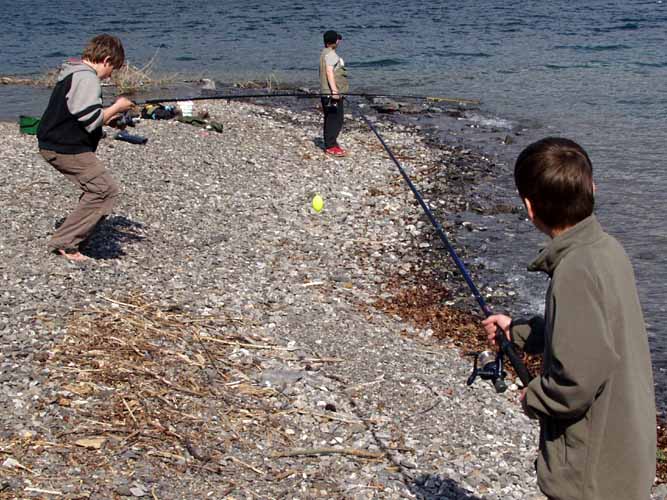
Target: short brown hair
103,46
556,175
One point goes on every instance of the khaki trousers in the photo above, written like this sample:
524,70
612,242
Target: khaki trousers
100,193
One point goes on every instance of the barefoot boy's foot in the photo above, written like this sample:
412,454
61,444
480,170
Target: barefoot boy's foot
73,255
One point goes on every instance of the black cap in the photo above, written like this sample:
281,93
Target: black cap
331,37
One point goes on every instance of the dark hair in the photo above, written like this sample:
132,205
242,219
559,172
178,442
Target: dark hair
103,46
556,175
331,37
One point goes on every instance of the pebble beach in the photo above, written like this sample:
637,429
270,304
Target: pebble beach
226,340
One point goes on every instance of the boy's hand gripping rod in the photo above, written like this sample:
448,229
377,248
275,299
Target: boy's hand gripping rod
505,345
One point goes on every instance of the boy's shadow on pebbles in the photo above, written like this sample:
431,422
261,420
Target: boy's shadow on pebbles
109,236
423,486
430,487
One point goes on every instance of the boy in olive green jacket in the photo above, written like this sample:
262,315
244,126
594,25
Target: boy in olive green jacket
594,398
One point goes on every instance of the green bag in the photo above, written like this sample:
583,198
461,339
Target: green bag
28,124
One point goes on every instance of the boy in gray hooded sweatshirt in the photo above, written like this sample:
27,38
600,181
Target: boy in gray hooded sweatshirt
69,132
594,398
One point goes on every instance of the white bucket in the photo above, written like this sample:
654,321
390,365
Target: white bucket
187,107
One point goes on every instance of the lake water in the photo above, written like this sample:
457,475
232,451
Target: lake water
592,71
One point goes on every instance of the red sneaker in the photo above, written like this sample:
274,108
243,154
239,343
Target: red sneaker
335,151
341,151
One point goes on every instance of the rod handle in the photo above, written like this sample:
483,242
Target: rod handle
515,360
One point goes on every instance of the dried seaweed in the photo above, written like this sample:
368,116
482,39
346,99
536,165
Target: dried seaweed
424,303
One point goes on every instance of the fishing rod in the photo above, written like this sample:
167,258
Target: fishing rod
456,100
213,97
305,95
491,369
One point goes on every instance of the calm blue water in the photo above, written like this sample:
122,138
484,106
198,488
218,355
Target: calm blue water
594,72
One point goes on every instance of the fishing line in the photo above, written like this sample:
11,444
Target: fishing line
506,346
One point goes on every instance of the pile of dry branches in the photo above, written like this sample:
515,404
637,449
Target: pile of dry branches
154,381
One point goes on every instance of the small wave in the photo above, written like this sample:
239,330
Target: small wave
651,65
56,54
593,48
185,58
493,122
466,54
193,24
517,22
56,22
126,22
636,102
589,65
379,63
622,27
602,48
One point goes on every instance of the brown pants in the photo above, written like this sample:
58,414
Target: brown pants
100,192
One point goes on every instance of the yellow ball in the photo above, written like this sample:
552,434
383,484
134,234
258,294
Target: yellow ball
318,203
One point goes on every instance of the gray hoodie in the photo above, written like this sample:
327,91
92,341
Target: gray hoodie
72,122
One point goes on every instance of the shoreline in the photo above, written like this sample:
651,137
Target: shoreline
335,369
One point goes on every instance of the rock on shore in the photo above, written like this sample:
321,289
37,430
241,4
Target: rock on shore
223,342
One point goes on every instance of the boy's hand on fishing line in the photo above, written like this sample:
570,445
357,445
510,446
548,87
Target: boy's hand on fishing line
492,323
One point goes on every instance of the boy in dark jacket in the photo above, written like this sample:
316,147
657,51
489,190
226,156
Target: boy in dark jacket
594,397
69,132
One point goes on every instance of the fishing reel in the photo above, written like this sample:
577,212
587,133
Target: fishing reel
489,366
123,121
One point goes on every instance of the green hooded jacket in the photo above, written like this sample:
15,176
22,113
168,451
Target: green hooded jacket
595,398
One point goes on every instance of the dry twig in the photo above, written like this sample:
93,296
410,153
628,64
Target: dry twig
328,451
